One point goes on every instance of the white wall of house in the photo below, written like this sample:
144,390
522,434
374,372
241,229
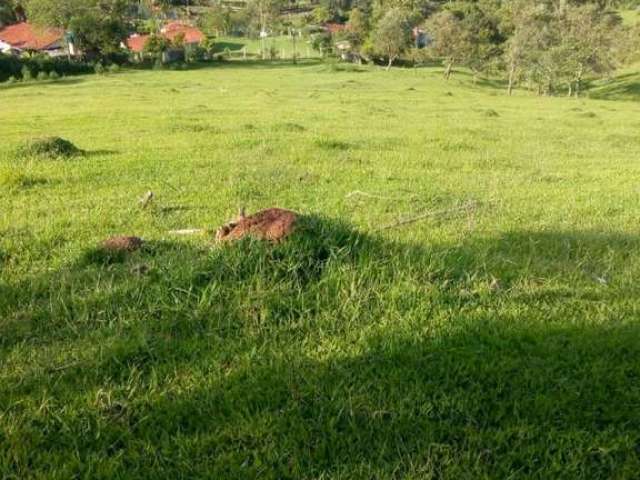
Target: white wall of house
5,47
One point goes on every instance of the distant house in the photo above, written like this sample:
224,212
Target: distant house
420,38
334,28
25,37
172,30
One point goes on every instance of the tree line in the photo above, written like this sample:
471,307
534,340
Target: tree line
550,46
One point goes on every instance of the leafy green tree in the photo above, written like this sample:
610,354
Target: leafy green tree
392,35
156,45
7,12
451,40
358,27
98,25
322,14
217,20
587,41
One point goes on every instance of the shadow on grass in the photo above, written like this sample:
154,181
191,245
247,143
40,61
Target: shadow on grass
42,83
623,87
233,46
535,374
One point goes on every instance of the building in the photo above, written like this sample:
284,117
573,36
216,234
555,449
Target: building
171,31
25,37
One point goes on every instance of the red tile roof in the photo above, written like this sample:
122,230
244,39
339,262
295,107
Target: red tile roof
335,27
136,42
170,31
191,34
25,36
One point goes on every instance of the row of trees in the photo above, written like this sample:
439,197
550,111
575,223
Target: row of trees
548,45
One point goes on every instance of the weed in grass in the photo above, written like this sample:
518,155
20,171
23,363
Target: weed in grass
289,127
331,144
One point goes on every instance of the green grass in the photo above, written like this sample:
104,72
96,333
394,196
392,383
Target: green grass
282,45
630,17
500,340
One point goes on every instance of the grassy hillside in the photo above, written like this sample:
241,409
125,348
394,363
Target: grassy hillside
499,339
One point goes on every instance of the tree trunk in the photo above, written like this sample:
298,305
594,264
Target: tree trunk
391,59
570,91
447,72
512,73
578,82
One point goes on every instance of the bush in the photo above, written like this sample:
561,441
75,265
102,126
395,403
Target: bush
53,75
48,147
26,68
11,80
26,74
114,68
98,68
42,76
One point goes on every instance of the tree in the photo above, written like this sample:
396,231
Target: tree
99,26
392,34
156,45
587,41
7,13
451,40
217,20
358,27
322,14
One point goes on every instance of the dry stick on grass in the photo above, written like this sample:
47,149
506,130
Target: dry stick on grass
188,231
358,193
467,206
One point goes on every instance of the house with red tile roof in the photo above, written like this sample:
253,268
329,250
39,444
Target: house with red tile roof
172,30
25,37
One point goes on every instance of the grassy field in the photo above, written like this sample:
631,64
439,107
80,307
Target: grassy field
281,45
500,339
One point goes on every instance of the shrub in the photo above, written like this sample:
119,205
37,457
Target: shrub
42,76
114,68
11,80
18,66
53,75
98,68
26,73
48,147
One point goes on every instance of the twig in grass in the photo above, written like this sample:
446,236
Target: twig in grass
188,231
146,199
435,213
358,193
65,366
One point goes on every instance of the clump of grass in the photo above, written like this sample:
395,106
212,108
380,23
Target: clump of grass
587,115
290,127
490,113
331,144
48,147
17,179
196,128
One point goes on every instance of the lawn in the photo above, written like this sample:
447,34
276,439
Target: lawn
496,336
282,46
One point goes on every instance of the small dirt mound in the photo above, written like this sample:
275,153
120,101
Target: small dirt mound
121,243
273,224
48,147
